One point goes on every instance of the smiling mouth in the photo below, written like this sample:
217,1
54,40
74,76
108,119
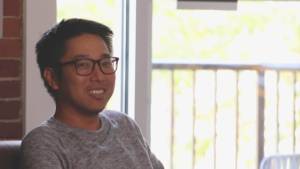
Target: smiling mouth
97,93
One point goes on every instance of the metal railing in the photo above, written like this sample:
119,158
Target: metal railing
271,81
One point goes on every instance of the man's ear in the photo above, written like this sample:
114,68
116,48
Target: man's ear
50,77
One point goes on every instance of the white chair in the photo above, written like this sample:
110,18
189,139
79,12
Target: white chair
288,161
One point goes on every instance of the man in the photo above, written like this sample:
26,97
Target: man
78,69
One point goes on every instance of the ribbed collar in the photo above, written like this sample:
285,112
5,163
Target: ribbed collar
86,136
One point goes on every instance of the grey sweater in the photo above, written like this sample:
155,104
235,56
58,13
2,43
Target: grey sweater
118,144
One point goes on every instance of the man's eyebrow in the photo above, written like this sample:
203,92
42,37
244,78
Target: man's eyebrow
83,56
80,56
106,55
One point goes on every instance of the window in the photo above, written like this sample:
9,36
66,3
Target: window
225,84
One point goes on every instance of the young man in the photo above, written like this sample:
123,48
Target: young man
78,69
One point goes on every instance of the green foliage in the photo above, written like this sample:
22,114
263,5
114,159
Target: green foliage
104,11
255,29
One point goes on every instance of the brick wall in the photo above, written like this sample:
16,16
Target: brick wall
11,57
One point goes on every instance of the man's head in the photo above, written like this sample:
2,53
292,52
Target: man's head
52,46
68,47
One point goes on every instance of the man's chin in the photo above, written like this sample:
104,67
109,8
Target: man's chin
93,108
96,111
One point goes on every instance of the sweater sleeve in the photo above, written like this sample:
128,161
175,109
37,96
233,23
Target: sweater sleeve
129,129
156,163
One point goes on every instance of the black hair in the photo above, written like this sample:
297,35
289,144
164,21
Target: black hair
52,45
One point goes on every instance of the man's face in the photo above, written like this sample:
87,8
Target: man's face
84,94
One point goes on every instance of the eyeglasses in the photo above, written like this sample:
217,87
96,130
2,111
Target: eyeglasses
84,67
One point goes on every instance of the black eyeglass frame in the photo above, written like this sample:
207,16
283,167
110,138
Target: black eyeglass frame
98,62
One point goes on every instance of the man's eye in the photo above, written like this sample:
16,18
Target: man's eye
106,64
83,64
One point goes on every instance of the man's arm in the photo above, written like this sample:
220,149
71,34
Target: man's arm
38,151
37,158
156,163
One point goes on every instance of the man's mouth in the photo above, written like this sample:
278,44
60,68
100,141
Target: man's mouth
97,93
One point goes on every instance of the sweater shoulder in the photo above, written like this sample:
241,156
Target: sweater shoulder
41,135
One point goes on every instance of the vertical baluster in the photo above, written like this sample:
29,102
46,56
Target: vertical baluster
194,119
215,118
172,120
237,119
260,117
277,111
294,111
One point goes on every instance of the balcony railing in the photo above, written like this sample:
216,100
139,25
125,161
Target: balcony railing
224,115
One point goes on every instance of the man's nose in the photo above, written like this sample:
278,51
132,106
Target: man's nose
97,72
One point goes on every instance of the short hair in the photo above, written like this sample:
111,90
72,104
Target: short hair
52,45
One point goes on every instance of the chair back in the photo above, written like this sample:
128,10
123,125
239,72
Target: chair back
9,154
288,161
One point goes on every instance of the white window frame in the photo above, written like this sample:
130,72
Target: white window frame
140,63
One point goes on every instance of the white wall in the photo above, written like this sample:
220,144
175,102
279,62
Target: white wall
38,17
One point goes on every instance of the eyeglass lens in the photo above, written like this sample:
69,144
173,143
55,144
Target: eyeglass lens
86,66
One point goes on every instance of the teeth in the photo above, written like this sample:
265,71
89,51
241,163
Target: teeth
97,91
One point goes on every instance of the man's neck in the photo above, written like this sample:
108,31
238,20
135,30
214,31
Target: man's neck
78,120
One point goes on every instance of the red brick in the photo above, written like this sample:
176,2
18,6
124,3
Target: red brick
9,110
10,47
9,68
12,27
12,7
11,130
10,89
